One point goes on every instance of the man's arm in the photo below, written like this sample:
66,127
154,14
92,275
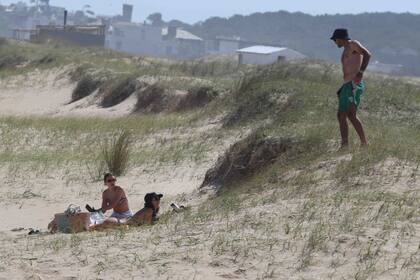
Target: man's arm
365,53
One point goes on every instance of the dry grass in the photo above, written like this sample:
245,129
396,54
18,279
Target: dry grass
116,152
308,212
11,61
152,99
117,91
245,158
85,86
197,97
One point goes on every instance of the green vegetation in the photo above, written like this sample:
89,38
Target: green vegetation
116,153
117,91
305,208
75,140
85,86
198,97
110,63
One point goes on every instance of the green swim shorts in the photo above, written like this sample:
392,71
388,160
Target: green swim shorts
350,93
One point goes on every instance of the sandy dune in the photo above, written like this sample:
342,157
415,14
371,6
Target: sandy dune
48,93
308,226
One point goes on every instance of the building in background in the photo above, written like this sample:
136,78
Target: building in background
150,40
181,44
135,38
226,45
127,14
263,55
82,35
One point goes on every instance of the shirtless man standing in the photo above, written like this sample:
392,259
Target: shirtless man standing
113,198
355,60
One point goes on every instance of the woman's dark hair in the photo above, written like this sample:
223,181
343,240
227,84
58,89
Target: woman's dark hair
148,203
106,176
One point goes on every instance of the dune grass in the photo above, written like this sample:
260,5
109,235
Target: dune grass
46,56
314,211
116,151
43,141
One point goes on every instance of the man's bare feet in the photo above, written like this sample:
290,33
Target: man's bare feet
364,145
343,147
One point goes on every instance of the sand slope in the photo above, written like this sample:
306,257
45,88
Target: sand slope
48,93
308,224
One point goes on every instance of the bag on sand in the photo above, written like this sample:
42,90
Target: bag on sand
72,220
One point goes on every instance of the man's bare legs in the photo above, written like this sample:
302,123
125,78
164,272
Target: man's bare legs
358,126
351,114
344,128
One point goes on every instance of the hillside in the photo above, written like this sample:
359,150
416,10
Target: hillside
253,152
392,37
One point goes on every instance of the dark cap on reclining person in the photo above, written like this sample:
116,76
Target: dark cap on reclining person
148,199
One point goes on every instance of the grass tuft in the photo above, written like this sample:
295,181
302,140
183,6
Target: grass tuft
11,61
151,99
86,86
197,97
245,158
117,91
116,152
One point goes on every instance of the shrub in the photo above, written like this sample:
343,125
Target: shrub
86,86
151,99
116,152
80,72
46,59
11,61
244,158
117,91
197,97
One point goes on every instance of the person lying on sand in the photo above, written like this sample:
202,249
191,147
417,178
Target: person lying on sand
148,214
113,198
145,216
76,221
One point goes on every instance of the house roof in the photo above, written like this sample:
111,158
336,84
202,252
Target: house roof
127,24
182,34
261,50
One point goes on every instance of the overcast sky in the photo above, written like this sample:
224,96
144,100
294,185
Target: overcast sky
195,10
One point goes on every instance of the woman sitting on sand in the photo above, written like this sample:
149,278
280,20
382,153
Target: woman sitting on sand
113,198
145,216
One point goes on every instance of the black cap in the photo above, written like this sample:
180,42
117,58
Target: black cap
150,196
340,33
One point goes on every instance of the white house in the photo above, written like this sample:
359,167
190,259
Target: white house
181,44
262,55
226,45
145,39
135,38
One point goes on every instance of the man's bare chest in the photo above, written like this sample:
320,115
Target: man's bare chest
349,55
